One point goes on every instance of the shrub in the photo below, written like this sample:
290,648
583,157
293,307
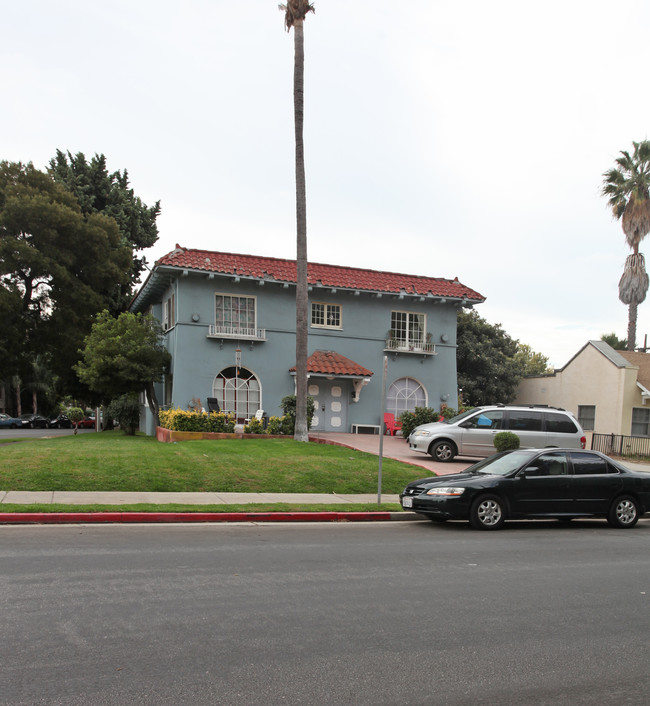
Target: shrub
255,426
288,405
183,420
126,409
75,415
448,412
275,425
421,415
506,441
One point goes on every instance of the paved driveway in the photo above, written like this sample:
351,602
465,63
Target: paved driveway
397,448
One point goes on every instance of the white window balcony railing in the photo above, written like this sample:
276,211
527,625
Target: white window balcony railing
395,345
248,334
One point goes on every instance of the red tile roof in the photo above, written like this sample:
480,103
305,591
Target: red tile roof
325,275
332,363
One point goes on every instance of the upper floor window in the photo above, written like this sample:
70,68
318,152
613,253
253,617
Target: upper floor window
169,313
235,314
325,315
407,328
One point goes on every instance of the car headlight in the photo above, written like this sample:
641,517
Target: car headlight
421,432
445,490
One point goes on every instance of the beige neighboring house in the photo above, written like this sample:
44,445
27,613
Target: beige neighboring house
607,390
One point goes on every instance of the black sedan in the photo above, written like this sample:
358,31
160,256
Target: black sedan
539,483
60,422
33,421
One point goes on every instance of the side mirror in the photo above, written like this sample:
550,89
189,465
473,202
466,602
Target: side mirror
466,425
530,471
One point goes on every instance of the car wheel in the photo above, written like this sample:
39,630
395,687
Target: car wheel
623,513
487,513
443,451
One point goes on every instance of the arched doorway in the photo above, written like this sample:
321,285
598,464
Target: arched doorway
238,391
404,395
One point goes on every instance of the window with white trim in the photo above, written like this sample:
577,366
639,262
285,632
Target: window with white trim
587,416
640,421
235,314
325,315
169,313
407,329
238,392
405,395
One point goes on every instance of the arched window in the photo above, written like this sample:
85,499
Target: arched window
404,395
238,391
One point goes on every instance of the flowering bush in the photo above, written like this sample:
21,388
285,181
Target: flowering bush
255,426
280,425
182,420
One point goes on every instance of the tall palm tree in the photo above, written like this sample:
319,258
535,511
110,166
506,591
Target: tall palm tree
627,188
295,12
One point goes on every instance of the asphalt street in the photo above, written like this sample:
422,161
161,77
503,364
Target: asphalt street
388,613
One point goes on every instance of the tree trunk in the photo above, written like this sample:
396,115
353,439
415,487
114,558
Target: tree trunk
152,400
19,407
301,432
631,325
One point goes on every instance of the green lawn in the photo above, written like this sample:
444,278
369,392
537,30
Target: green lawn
113,461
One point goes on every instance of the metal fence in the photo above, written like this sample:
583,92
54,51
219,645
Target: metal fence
619,445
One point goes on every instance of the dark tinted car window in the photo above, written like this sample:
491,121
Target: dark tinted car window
551,464
590,464
559,423
525,421
485,420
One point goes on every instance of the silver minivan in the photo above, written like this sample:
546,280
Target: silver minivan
472,433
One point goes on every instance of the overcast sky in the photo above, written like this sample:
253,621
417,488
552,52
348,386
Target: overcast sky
442,138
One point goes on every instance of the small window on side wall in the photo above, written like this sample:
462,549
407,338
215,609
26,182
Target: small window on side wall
587,416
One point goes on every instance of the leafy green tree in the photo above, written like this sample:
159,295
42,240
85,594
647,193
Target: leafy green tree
618,344
530,362
109,193
124,355
126,409
295,12
627,188
488,370
59,268
75,415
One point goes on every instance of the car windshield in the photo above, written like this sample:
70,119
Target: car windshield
502,464
460,416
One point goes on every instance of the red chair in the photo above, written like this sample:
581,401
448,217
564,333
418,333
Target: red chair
392,427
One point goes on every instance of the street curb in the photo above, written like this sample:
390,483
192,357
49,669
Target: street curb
22,518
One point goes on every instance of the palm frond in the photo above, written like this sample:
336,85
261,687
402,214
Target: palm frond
295,11
636,220
633,285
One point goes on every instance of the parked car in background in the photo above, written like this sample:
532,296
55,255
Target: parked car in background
472,433
10,422
87,423
528,483
33,421
61,421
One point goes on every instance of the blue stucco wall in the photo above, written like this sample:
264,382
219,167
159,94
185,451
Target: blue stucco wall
197,359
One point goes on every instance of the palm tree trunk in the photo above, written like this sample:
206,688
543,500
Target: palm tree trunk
631,325
301,433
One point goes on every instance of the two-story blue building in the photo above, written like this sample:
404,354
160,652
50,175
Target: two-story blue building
230,323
